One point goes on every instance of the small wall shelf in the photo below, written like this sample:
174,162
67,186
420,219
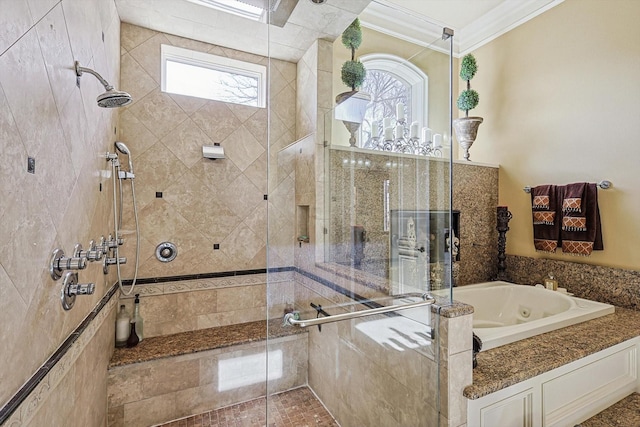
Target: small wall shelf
302,223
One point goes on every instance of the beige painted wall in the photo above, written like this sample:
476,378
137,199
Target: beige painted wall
559,96
43,114
434,64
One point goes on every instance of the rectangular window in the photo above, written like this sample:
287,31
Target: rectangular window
203,75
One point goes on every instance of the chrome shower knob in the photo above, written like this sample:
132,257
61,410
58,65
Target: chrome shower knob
68,300
111,242
71,288
108,261
81,289
92,254
59,263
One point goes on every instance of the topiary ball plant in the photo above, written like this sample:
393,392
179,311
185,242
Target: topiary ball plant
353,72
352,36
469,98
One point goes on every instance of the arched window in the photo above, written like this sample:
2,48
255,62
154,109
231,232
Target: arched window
390,80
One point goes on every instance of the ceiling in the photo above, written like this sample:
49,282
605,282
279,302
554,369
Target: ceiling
475,22
420,21
307,22
454,13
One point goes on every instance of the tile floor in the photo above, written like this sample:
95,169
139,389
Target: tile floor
299,408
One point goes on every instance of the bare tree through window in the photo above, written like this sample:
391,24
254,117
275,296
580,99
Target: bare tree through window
386,90
202,75
238,89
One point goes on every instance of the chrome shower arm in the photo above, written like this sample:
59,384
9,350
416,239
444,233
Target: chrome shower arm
80,70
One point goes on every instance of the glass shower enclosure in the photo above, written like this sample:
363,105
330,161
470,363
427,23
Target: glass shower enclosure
362,241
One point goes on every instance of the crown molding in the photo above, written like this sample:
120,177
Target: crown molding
404,24
500,20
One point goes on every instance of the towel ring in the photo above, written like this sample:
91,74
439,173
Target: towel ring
604,184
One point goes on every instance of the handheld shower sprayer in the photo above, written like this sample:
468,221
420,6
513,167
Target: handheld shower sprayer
122,147
119,176
111,98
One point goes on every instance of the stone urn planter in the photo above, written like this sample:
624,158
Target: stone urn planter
351,108
466,129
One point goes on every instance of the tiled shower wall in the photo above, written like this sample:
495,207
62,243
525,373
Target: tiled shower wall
314,102
205,202
187,305
44,115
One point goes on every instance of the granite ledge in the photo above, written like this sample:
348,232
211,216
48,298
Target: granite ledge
200,340
510,364
451,309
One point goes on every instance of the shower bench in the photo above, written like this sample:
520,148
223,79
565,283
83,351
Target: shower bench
172,376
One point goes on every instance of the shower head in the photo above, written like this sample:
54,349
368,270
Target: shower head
111,98
122,147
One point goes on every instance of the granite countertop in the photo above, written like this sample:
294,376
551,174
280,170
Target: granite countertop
624,413
200,340
451,309
504,366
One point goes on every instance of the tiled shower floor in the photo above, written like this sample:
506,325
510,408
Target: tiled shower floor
299,408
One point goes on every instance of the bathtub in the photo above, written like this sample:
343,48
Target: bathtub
505,312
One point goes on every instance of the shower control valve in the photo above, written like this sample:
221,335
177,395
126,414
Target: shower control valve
112,242
82,289
108,261
102,245
109,243
59,263
71,288
92,254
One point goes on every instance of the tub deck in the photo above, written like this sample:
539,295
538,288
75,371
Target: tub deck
501,367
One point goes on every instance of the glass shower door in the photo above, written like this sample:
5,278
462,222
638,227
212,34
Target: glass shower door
361,241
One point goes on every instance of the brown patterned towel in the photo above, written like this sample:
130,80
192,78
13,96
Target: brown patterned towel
546,230
545,245
570,223
572,204
546,218
540,202
581,230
